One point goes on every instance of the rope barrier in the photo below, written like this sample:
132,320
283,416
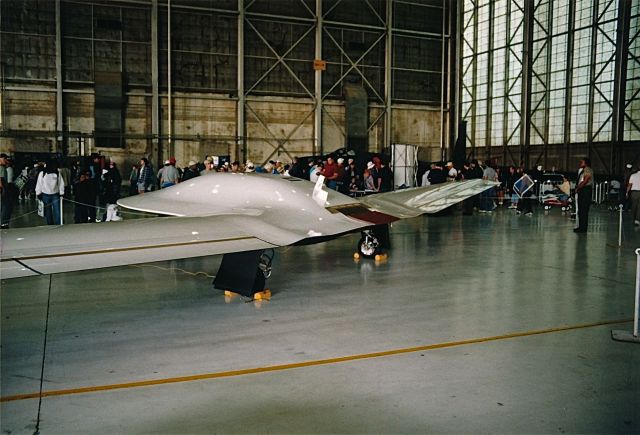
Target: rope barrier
103,208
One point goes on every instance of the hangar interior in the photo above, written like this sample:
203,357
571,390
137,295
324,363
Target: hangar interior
485,323
539,81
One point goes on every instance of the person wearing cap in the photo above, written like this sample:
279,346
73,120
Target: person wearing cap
170,175
191,171
633,193
369,182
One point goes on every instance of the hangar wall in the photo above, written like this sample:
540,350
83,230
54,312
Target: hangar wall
549,81
242,80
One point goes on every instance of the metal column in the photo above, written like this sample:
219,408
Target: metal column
169,91
455,60
241,145
592,77
443,152
59,80
317,115
156,158
619,91
388,75
569,82
488,125
525,125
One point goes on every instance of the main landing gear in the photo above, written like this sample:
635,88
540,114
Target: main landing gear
233,277
373,242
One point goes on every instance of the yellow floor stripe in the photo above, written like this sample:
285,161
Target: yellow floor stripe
281,367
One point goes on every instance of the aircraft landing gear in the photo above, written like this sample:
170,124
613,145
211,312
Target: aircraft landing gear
368,246
373,241
244,273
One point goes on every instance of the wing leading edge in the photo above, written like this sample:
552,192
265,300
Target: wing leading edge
218,215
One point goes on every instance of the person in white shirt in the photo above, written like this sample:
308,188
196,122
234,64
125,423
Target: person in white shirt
452,173
425,177
49,189
633,192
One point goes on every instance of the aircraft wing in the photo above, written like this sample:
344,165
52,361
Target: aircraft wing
217,214
407,203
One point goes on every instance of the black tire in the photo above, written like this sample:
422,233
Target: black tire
366,251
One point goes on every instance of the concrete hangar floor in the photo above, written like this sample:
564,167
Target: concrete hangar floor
490,323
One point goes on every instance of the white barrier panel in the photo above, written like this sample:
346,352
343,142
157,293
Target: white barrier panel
632,337
405,164
600,192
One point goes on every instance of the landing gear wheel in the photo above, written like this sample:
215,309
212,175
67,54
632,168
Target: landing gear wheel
368,246
264,264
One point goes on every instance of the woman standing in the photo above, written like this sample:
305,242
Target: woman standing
49,189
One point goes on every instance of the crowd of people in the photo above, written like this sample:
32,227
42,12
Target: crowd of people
98,183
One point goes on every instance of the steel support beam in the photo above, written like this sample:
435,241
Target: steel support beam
317,115
527,55
241,143
170,151
388,75
454,77
474,84
620,81
489,123
59,81
547,95
505,107
592,76
443,151
571,26
156,158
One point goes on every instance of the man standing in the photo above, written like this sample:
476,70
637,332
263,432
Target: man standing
633,193
584,193
6,199
486,197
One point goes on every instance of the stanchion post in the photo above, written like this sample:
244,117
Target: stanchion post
632,337
61,211
620,226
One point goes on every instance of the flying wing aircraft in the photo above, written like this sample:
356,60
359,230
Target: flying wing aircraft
238,215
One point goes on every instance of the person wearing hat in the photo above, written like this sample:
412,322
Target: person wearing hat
191,171
369,182
633,193
170,175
